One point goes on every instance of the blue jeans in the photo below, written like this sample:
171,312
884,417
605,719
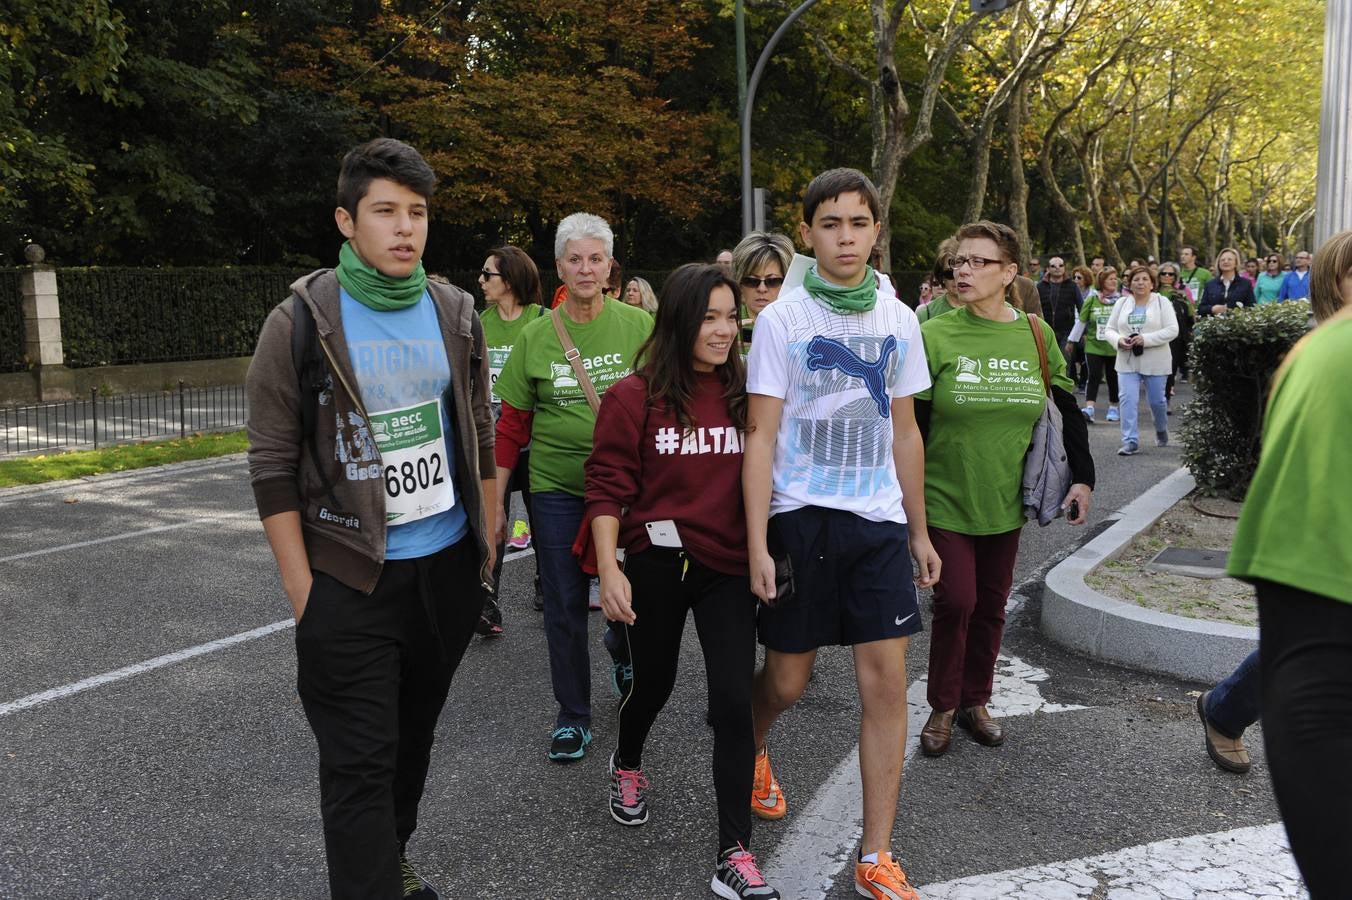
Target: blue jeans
1235,703
1129,392
556,518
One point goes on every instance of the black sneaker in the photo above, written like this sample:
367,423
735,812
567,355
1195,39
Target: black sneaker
739,878
490,620
621,679
414,884
569,742
628,802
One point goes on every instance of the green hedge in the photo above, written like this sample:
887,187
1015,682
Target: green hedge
1232,360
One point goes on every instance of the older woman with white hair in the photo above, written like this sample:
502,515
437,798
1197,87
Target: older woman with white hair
544,393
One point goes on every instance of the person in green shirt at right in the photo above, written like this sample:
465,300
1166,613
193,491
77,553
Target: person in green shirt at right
1100,355
1293,543
1192,273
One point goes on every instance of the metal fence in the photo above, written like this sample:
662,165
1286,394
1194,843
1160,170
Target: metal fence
11,323
95,421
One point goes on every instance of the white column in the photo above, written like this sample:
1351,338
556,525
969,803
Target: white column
41,316
1333,191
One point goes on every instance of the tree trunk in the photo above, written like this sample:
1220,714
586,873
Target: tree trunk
1018,181
981,150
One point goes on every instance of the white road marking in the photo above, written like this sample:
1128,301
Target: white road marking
139,668
1243,863
126,535
824,835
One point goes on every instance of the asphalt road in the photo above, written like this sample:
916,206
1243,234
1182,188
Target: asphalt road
197,778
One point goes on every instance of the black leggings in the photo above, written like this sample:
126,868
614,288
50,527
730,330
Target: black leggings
1101,367
1305,663
667,583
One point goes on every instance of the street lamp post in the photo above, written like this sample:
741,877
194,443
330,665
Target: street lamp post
1333,189
748,214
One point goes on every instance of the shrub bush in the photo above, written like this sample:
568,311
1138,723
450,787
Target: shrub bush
1232,361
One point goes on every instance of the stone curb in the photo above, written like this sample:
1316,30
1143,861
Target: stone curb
1076,616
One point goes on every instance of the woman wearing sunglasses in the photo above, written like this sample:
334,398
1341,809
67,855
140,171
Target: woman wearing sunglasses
759,263
1269,282
511,285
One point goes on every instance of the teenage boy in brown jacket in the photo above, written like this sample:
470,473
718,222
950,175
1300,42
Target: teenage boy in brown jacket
371,490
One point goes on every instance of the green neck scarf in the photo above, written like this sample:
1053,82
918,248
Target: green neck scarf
380,292
844,300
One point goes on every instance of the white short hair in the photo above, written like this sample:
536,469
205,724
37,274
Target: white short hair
580,226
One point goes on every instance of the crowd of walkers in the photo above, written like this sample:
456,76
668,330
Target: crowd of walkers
786,460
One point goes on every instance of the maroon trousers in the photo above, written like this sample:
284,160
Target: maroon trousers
969,615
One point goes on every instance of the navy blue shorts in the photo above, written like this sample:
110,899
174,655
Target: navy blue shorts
852,581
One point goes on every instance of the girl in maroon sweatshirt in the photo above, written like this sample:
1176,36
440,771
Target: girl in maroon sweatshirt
663,482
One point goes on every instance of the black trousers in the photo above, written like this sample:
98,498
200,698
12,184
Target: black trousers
1305,664
1101,368
373,672
666,584
519,480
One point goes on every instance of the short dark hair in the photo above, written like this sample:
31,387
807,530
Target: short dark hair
1098,256
1003,236
519,273
832,183
383,158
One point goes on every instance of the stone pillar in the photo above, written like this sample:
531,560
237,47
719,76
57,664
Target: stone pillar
1333,191
42,328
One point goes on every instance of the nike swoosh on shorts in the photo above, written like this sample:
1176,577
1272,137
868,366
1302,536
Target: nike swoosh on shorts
901,621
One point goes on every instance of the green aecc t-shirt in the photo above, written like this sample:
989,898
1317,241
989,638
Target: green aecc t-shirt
1095,314
500,336
987,395
1295,525
538,378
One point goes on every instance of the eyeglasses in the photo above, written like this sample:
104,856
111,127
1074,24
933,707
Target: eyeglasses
975,262
1169,274
946,274
486,275
751,282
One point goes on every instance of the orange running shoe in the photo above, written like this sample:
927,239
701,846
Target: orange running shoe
767,800
883,880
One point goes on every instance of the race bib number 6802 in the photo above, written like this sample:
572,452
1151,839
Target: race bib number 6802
414,467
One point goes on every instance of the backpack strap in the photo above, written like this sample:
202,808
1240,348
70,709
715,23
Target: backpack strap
311,374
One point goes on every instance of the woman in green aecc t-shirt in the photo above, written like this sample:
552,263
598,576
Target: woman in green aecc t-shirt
545,404
1294,542
978,419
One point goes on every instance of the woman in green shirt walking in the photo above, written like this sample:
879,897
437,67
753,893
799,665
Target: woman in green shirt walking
1099,354
511,285
978,419
1292,542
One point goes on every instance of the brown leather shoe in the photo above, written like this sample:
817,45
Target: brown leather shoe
979,724
1228,753
937,733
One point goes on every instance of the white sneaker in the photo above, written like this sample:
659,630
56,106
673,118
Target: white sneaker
1088,412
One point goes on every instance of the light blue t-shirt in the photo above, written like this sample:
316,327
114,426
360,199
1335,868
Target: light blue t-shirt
400,361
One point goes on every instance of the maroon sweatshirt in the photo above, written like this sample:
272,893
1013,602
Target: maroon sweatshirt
641,460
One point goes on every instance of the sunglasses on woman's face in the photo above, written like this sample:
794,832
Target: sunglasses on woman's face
485,275
751,282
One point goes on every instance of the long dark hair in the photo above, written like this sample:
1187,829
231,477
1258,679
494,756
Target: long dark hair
518,273
666,359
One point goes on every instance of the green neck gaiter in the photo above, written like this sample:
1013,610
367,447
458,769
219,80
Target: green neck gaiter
844,300
380,292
